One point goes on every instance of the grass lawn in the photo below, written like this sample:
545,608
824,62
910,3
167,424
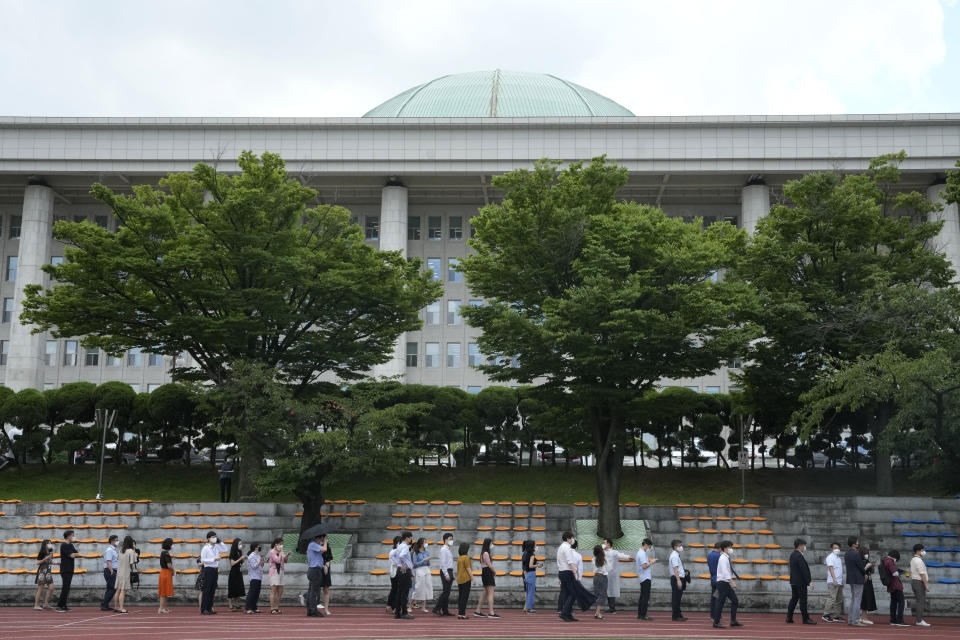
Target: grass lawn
556,485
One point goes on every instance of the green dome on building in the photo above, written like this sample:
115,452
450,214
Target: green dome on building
497,94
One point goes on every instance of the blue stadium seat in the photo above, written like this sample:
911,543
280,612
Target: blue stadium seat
946,534
948,581
918,522
956,549
936,522
939,549
911,534
952,565
899,521
934,563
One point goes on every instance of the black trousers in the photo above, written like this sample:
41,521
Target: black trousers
713,599
896,606
463,594
676,596
66,578
726,592
111,579
253,596
314,591
404,578
443,602
209,588
225,489
568,593
798,594
644,600
392,598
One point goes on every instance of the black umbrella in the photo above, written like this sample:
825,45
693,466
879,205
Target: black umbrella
310,533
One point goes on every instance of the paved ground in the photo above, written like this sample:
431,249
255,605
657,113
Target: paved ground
22,623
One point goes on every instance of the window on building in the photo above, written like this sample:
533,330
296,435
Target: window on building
15,223
735,363
153,386
453,355
135,386
434,264
4,351
7,309
79,218
412,348
92,357
476,303
50,354
713,389
70,353
12,263
101,221
694,388
155,360
431,355
47,386
452,274
433,313
413,227
113,361
455,227
474,359
134,357
435,228
474,390
56,261
453,312
371,227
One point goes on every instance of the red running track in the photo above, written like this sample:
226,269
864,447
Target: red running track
22,623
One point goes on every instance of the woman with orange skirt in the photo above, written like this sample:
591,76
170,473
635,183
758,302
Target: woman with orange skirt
165,585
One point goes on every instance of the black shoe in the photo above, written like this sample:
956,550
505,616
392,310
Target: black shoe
808,621
61,609
646,618
735,624
435,612
106,609
446,614
717,625
611,611
206,613
789,620
406,617
314,615
567,618
680,619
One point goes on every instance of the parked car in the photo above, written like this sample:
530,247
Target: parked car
485,458
547,457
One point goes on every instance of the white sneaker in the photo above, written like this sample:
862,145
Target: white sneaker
303,602
923,623
866,621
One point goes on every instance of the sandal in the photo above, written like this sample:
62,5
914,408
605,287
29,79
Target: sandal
598,616
274,612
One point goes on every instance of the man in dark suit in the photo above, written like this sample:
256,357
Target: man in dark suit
855,567
800,580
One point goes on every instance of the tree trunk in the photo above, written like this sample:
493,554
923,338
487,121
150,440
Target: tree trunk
246,472
609,464
312,510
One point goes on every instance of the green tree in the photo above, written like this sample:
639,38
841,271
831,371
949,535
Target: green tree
120,397
598,298
172,407
27,411
231,268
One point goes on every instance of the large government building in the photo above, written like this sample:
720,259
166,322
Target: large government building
414,170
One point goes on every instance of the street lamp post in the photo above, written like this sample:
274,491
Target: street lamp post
104,418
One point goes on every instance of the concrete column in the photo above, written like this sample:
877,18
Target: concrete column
393,237
948,240
25,362
754,204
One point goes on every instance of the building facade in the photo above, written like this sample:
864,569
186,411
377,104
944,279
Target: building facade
413,171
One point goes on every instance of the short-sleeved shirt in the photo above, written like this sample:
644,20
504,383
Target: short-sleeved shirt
917,568
314,555
835,561
66,562
226,471
255,566
675,561
643,573
110,557
166,562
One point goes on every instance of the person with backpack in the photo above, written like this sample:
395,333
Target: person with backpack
890,578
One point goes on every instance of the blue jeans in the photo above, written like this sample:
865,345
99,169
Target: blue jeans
856,595
530,586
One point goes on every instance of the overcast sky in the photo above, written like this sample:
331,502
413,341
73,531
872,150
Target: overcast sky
298,58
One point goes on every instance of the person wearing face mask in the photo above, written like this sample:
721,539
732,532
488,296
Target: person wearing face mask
713,559
128,557
315,575
833,610
856,568
530,565
210,559
919,584
678,580
109,573
645,576
868,603
567,572
726,587
68,552
894,584
277,560
613,577
44,577
800,580
442,606
422,584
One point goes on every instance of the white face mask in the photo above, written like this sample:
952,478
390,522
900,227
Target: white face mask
923,552
866,556
573,542
213,540
836,552
680,549
114,543
729,552
450,543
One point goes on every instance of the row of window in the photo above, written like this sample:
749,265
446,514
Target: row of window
16,223
91,357
371,228
431,355
432,312
13,265
153,386
435,265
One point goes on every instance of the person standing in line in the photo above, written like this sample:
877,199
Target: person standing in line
800,580
833,611
235,591
530,564
583,596
278,561
392,597
422,584
567,572
488,578
44,579
713,559
645,576
404,574
855,567
868,603
255,573
210,559
678,578
464,579
894,584
129,556
601,571
442,606
165,582
315,575
109,572
226,478
726,587
919,583
68,553
613,558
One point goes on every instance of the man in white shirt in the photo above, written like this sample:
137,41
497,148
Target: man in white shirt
210,559
404,576
567,572
726,587
442,607
109,572
645,576
833,609
919,583
677,580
